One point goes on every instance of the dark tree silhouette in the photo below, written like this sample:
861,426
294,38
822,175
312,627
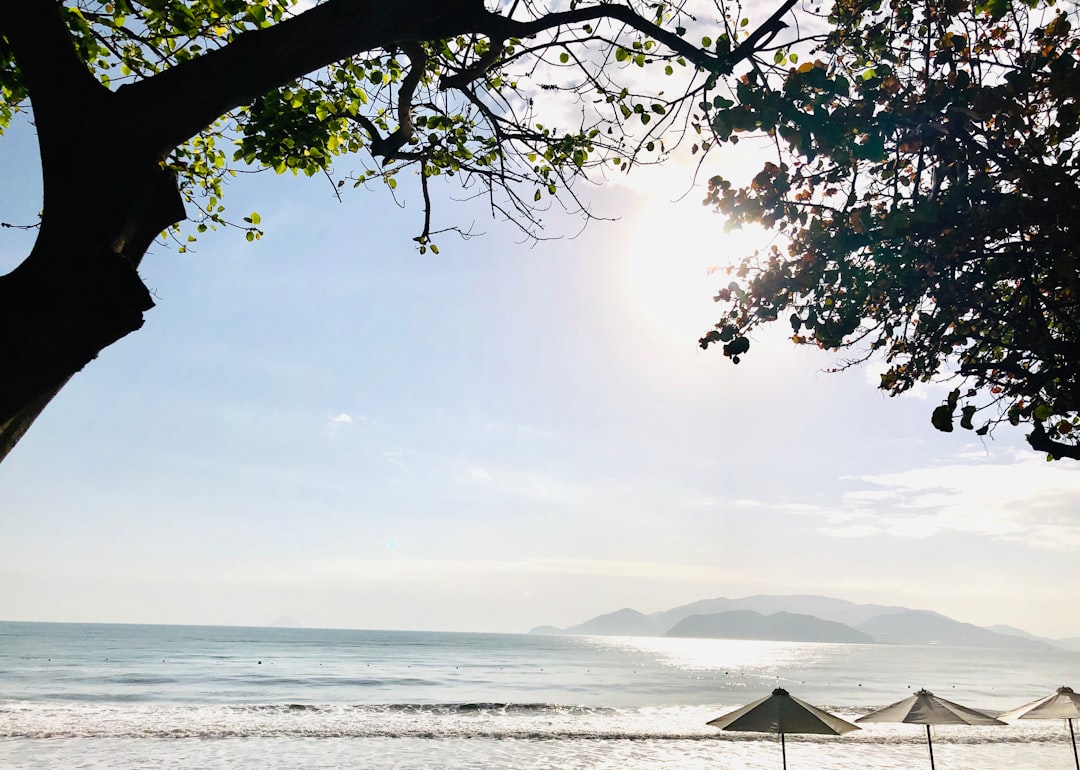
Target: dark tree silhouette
926,180
135,101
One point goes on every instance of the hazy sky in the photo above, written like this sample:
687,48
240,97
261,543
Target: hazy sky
328,428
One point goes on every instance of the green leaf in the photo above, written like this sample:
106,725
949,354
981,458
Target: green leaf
942,418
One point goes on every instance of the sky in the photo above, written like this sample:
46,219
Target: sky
326,428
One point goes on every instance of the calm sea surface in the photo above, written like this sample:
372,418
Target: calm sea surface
119,696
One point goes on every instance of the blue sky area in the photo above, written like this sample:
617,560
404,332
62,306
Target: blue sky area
330,428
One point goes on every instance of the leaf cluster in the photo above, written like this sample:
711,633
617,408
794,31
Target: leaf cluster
927,185
466,107
125,41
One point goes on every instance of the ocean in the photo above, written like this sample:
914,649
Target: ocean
193,697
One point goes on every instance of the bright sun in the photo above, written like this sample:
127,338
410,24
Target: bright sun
671,250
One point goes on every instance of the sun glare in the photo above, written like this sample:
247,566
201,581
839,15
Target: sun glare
711,654
675,255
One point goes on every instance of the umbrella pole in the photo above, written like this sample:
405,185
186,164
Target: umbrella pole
1073,736
783,749
930,745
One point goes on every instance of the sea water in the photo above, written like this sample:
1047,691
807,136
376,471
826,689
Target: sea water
125,696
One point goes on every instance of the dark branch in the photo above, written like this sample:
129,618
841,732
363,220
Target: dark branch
1041,442
389,147
59,84
503,28
482,65
182,100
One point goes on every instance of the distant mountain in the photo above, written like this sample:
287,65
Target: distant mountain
546,630
780,626
1013,631
836,610
921,627
808,618
1071,643
1061,644
624,622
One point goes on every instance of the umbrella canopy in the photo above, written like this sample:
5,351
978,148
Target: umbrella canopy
1063,703
925,708
782,713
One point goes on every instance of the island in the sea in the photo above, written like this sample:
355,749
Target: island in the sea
808,619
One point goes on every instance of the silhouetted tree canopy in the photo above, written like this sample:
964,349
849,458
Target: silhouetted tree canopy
144,108
926,182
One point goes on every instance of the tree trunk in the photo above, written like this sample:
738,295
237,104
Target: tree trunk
79,290
108,194
54,322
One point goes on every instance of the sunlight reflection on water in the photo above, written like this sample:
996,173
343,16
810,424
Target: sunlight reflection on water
719,654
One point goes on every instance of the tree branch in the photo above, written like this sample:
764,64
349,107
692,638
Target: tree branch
389,147
482,65
1041,442
503,28
59,84
179,102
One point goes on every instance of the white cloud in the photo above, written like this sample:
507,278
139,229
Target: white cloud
1026,500
342,419
852,531
479,474
536,486
398,570
1023,500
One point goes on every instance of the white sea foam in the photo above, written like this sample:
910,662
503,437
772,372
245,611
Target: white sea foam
157,697
514,754
444,721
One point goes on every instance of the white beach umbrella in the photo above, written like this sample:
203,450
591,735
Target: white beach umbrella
925,708
782,713
1063,703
